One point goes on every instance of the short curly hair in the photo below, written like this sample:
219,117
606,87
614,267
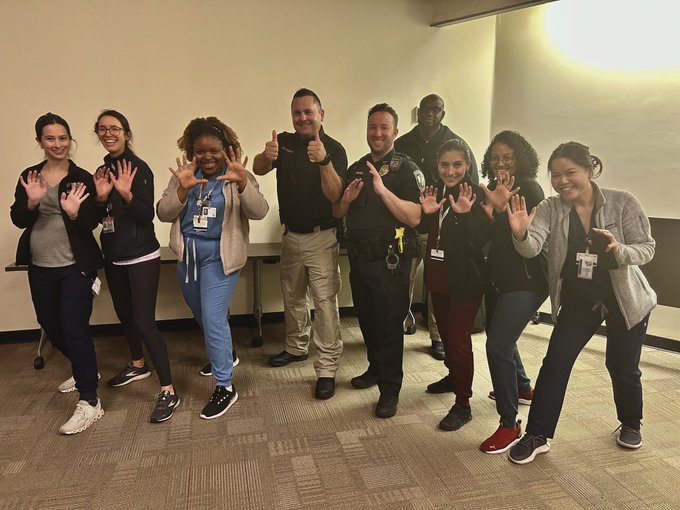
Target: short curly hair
212,126
526,159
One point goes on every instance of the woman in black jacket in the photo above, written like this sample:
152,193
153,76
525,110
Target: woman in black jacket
125,191
53,202
454,271
517,285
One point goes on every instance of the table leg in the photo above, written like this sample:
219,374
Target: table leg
257,341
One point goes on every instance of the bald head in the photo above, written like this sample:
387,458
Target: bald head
431,112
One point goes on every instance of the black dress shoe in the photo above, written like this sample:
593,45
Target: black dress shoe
325,388
438,350
283,358
386,406
365,380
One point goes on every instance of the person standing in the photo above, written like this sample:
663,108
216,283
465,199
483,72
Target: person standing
598,239
517,285
422,145
54,202
209,200
310,167
382,207
454,272
125,190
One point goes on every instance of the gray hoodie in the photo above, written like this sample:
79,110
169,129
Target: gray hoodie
620,213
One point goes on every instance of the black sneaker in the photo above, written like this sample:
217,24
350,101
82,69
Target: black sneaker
456,418
527,448
443,385
220,402
128,374
629,437
165,407
206,371
386,406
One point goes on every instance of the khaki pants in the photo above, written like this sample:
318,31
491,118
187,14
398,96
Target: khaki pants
410,319
311,261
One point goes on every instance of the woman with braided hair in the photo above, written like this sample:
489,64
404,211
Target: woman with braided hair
209,200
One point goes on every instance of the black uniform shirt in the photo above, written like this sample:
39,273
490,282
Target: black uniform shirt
302,204
368,216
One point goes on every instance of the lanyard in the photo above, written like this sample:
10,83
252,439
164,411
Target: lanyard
442,215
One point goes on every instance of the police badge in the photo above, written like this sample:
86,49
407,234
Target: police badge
384,170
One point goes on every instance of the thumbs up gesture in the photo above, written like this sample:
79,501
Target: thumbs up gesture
316,152
271,148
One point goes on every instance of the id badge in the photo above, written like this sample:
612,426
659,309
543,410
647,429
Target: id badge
436,254
209,212
96,286
200,223
586,263
107,225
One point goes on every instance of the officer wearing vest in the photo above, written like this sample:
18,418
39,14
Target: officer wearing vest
381,204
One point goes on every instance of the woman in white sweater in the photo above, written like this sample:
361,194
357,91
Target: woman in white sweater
209,200
598,238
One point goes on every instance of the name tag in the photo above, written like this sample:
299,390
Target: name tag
209,212
200,223
586,263
436,254
107,225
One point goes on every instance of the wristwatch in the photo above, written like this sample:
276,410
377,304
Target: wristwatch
326,160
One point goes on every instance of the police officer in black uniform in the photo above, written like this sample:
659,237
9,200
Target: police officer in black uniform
382,206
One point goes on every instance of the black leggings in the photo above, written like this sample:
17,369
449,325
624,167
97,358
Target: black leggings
133,291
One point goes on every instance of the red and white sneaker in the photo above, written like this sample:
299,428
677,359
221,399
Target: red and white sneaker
503,439
525,397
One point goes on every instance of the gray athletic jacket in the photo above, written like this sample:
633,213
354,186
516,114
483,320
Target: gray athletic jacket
620,213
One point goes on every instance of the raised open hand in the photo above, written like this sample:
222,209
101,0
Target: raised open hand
378,185
123,182
71,203
102,184
352,191
465,199
518,217
500,196
36,188
186,173
428,200
236,171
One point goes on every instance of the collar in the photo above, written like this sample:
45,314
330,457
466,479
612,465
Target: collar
127,155
600,200
299,138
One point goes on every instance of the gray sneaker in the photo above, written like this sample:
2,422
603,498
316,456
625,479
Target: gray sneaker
128,374
84,416
165,407
629,437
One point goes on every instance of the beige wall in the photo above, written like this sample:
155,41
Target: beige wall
163,62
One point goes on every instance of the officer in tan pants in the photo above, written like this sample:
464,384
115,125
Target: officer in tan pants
310,168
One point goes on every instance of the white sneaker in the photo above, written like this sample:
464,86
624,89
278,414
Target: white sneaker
69,384
84,416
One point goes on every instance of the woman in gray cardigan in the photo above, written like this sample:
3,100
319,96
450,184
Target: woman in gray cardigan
598,239
209,200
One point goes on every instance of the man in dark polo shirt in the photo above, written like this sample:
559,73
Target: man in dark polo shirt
421,144
310,168
382,206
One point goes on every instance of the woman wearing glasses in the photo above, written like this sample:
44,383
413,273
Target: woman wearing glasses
54,203
517,285
125,190
209,200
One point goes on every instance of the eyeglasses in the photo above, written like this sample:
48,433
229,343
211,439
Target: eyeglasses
114,130
506,159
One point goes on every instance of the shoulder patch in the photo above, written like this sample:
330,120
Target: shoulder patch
420,178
